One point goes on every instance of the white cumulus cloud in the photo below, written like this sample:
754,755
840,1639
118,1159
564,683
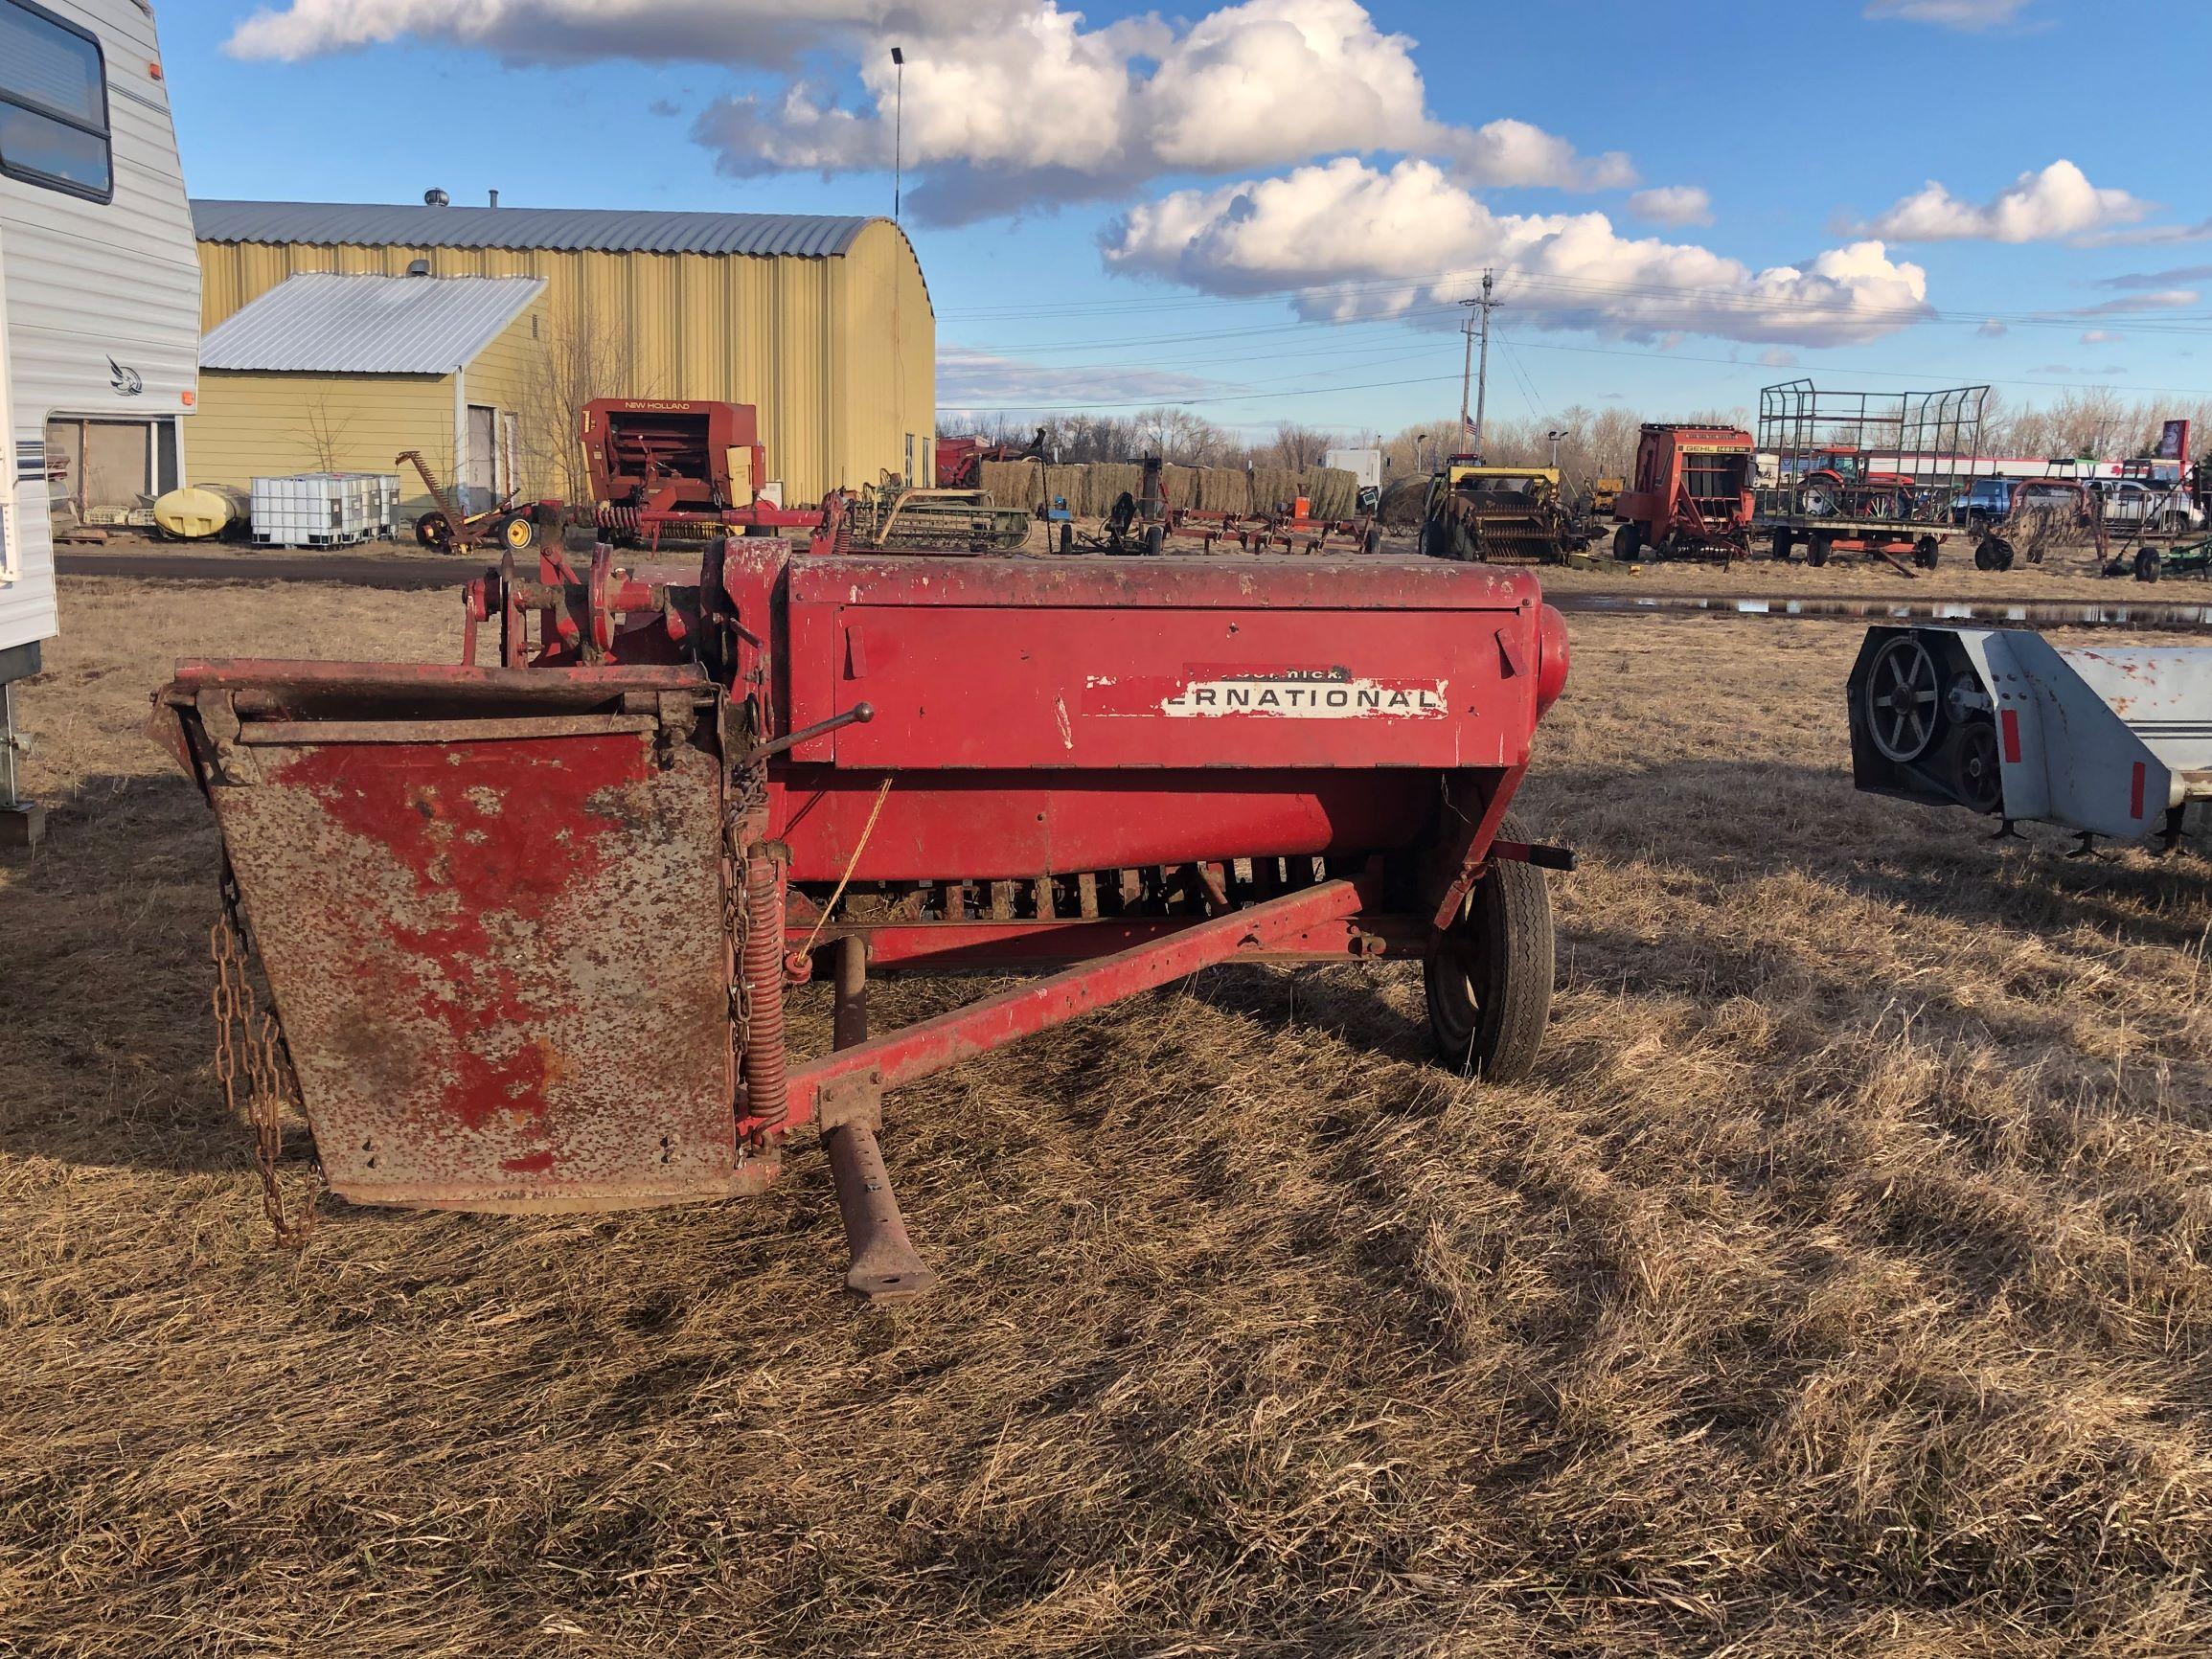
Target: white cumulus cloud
2059,201
1673,204
1009,104
1345,238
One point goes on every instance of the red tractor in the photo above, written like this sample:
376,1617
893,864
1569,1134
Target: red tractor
1839,484
1691,496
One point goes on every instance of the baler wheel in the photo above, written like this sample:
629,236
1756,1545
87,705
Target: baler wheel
1628,540
1489,975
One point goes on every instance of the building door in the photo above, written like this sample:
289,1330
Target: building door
480,477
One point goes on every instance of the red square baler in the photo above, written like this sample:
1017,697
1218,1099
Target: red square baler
528,926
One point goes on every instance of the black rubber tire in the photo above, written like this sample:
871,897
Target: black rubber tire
2000,552
2149,566
1488,978
1628,542
434,530
517,531
1066,537
1983,557
1779,547
1817,549
1154,536
1928,552
1372,542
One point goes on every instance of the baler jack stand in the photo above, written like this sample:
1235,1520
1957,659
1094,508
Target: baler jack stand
885,1266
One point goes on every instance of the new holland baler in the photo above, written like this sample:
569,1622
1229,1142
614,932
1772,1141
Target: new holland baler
529,923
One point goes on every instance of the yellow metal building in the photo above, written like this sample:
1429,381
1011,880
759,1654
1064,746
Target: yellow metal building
821,322
340,374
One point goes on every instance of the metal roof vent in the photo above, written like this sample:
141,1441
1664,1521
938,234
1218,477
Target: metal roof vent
435,199
495,199
418,267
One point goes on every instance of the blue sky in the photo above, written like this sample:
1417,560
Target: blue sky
1265,209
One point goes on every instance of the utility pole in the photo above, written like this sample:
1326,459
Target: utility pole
1483,307
898,132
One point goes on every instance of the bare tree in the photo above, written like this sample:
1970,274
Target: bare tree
325,434
1296,447
1175,434
581,359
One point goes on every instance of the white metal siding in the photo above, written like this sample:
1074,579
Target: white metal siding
87,282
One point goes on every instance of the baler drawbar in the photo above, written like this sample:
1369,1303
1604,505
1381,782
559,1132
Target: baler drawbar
527,924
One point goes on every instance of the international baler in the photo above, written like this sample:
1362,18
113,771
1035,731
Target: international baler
529,923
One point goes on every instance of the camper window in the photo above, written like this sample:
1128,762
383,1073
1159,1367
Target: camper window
53,103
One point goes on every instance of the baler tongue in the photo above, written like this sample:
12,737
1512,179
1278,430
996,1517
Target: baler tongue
490,904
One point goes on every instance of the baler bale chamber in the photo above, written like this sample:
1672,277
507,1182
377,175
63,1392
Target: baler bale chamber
528,925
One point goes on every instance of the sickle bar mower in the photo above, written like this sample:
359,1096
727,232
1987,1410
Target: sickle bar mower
528,922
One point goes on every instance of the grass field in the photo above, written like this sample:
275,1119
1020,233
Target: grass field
1837,1285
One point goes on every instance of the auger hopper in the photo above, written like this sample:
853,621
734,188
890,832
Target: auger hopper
528,925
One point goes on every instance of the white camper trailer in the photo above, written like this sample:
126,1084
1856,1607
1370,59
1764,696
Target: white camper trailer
100,294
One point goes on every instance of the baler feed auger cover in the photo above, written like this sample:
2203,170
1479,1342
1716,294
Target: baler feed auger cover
529,928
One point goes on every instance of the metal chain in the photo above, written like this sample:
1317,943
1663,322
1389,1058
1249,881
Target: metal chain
240,1024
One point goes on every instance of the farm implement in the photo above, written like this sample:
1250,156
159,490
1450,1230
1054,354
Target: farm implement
2103,741
674,471
1144,521
1693,495
529,921
1867,473
1498,513
449,527
2193,559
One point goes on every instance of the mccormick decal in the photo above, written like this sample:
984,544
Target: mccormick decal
1332,694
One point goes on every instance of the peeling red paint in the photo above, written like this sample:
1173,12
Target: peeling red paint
438,814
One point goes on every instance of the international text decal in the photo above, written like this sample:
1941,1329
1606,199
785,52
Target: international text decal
1306,694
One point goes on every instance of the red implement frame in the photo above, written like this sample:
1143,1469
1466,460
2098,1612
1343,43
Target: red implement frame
529,925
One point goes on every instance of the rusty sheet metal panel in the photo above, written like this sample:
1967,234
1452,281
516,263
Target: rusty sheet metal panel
501,963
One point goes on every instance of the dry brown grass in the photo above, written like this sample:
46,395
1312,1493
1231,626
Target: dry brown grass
1837,1285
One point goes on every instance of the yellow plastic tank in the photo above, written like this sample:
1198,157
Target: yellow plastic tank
200,511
